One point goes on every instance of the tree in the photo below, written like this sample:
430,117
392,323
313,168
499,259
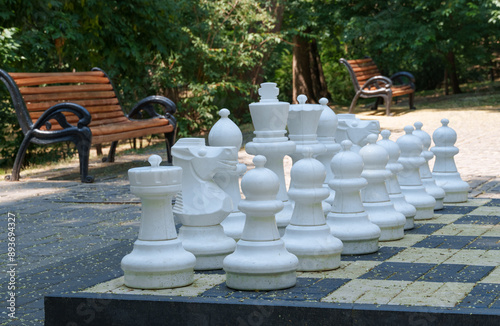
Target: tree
414,32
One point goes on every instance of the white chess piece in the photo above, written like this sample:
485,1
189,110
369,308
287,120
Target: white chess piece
348,220
327,127
158,260
260,261
425,172
392,183
355,130
226,133
269,117
445,171
202,205
303,120
308,236
409,178
375,197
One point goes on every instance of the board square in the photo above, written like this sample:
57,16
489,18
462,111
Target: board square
485,243
483,295
445,242
456,209
478,219
456,273
382,254
396,271
427,228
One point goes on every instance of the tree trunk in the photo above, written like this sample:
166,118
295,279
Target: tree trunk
308,77
452,72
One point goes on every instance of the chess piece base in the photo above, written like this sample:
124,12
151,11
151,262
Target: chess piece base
260,265
437,192
158,265
409,211
357,233
455,188
390,221
423,202
314,246
209,244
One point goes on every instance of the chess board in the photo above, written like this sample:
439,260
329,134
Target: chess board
444,270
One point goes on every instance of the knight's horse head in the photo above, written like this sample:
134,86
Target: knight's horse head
204,160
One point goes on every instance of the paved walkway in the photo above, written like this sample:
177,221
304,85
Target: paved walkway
69,236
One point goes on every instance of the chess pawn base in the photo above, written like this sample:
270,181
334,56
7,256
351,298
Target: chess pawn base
357,233
209,244
409,211
233,225
455,188
158,265
432,189
315,247
384,215
248,268
421,200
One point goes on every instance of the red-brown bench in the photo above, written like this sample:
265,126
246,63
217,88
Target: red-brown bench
369,83
81,107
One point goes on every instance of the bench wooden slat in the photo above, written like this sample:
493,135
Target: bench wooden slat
19,75
61,79
84,103
68,96
68,88
358,61
131,134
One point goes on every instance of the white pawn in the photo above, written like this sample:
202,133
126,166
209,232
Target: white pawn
158,260
308,236
409,178
375,196
260,261
425,172
327,127
348,220
392,184
226,133
445,171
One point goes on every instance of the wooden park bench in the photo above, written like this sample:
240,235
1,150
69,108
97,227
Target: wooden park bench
81,107
369,83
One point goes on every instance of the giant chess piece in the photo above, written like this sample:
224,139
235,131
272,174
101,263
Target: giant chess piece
226,133
302,124
392,183
327,127
303,120
269,118
425,172
202,205
355,130
409,178
260,261
348,220
375,197
308,236
445,171
158,260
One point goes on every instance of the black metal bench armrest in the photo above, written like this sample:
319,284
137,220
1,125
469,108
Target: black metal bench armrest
374,81
404,78
145,105
56,112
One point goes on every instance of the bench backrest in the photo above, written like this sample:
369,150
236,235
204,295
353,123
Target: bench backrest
91,89
361,70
